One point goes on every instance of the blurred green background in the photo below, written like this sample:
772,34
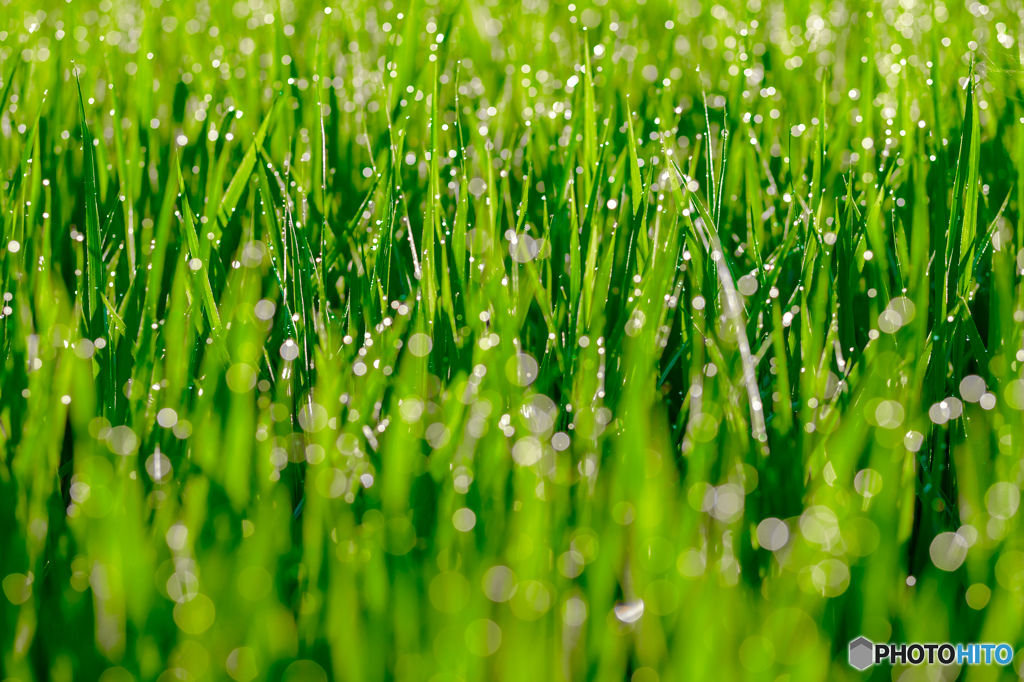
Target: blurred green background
476,340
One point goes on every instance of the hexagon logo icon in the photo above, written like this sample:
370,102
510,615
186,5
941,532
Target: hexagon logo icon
862,653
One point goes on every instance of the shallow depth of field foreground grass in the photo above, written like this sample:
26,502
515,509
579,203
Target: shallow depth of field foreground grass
481,340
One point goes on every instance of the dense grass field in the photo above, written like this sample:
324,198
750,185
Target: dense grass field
480,340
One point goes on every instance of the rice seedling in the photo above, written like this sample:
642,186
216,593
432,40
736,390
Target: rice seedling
449,340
